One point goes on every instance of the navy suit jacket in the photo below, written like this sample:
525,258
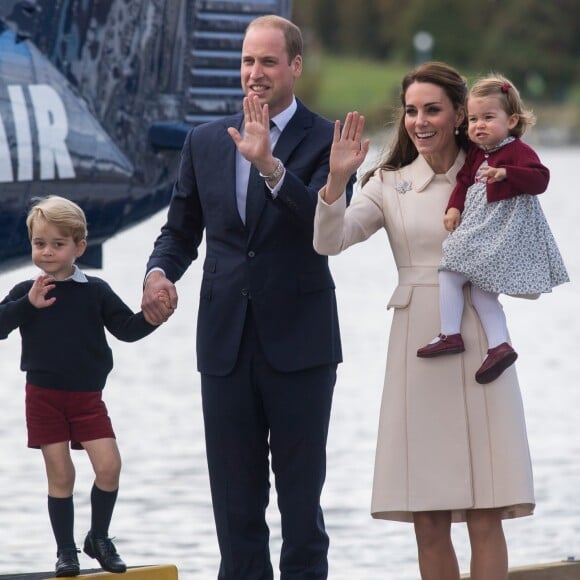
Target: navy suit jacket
272,264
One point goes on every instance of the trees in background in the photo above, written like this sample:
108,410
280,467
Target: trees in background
534,42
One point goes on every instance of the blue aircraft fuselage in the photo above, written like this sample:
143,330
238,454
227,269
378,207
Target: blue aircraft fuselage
96,98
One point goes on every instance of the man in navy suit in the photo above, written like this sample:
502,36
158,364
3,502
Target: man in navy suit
268,341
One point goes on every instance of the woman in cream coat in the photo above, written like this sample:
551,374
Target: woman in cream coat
449,449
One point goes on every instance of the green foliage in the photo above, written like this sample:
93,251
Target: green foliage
534,42
333,86
539,50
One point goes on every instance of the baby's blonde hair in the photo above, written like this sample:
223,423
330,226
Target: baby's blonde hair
511,102
62,213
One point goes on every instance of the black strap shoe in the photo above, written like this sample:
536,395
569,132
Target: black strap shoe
67,564
104,551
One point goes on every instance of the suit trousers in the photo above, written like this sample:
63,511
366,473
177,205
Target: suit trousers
249,415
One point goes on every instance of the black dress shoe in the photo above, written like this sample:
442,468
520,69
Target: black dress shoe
67,564
104,551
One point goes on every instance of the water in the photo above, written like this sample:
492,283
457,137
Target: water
164,514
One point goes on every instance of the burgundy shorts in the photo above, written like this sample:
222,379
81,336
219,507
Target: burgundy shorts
53,416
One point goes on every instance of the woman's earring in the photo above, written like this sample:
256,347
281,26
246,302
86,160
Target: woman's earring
457,130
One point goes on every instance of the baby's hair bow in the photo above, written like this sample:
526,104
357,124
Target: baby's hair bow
505,87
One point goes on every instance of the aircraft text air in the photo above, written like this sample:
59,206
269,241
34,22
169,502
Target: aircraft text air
47,145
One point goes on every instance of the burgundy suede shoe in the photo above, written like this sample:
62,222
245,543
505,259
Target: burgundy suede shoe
498,359
450,344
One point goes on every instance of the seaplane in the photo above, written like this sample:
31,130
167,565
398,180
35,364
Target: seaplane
96,98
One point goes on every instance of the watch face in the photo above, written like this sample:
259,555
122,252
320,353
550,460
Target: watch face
279,169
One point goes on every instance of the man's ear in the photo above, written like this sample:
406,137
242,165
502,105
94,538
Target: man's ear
297,66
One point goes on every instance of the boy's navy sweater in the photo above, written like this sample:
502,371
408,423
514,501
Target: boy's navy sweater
64,345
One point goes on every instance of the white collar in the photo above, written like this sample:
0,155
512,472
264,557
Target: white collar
77,276
282,119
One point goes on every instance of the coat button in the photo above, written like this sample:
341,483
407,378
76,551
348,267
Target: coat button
251,253
245,291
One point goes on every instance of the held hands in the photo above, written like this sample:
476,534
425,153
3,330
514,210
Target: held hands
452,219
163,297
159,298
255,144
346,155
40,288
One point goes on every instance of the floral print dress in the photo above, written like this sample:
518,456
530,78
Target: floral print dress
504,246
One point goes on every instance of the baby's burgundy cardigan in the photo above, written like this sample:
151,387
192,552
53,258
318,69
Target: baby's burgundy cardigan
524,173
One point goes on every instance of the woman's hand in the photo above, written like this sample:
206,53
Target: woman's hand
346,155
452,219
348,151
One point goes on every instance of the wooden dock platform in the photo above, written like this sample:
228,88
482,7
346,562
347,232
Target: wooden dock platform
565,570
160,572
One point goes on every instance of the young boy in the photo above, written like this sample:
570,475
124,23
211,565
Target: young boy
62,316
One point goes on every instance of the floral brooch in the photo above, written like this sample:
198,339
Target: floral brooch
403,186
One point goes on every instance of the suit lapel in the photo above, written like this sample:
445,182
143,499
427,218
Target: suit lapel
294,133
227,162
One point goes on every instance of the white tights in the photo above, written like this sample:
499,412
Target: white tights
486,304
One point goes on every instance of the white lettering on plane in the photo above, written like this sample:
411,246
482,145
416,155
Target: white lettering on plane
51,132
23,134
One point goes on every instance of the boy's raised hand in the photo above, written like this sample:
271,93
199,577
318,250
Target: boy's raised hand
38,291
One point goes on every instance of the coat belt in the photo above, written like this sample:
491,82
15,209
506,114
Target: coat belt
418,276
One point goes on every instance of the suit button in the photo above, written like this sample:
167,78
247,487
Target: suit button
251,253
245,291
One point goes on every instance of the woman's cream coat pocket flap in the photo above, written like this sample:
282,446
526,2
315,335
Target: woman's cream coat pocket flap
401,297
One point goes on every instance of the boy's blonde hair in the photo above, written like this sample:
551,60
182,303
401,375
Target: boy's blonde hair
511,102
62,213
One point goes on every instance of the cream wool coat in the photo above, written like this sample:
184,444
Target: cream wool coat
444,441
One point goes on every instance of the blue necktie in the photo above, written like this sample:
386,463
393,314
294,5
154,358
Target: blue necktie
256,193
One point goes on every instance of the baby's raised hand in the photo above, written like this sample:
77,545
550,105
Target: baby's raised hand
493,174
38,291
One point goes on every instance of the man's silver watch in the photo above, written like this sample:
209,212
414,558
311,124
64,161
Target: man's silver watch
276,174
